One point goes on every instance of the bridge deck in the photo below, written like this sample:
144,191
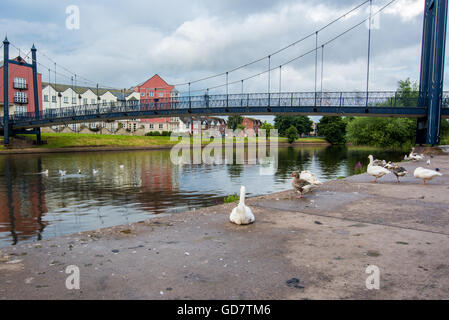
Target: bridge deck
334,103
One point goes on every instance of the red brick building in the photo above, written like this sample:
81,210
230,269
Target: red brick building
21,89
156,89
250,123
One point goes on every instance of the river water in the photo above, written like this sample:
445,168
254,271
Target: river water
35,206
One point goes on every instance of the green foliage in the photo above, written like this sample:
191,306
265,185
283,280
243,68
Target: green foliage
302,124
267,127
291,134
240,127
333,129
157,133
232,198
234,121
382,132
444,131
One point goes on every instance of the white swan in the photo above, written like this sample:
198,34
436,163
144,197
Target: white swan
94,172
242,214
309,177
62,173
375,171
426,174
45,172
122,166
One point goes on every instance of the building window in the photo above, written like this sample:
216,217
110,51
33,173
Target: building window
73,100
105,102
151,126
151,94
74,127
53,99
66,99
45,98
161,94
84,100
20,110
134,127
20,97
161,126
92,101
142,94
93,125
20,83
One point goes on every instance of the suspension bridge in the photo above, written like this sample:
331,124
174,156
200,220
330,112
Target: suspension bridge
430,105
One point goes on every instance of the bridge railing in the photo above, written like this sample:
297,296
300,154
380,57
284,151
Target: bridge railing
289,99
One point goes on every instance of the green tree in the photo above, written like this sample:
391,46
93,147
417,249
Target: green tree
382,132
234,121
292,134
302,124
333,129
267,126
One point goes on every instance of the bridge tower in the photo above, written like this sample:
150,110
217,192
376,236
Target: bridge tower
432,71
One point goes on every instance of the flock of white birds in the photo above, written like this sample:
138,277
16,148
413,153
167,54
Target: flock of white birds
307,181
63,173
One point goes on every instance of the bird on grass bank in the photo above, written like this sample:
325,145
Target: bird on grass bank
242,214
426,174
375,171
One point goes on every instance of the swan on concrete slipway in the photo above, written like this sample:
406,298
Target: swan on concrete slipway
426,174
376,171
301,186
242,214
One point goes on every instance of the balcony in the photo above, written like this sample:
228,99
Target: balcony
20,85
20,100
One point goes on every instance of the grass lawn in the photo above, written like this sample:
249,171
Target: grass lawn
66,140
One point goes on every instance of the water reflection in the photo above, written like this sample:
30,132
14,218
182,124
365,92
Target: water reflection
34,206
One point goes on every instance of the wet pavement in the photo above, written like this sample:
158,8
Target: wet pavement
317,247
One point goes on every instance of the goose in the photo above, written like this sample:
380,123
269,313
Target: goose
94,171
300,185
426,174
414,156
398,171
381,163
428,162
375,171
310,177
242,214
79,171
122,166
406,158
62,173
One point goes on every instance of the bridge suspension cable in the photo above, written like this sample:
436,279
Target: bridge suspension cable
273,53
317,47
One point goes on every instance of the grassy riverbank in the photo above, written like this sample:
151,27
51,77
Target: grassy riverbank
74,140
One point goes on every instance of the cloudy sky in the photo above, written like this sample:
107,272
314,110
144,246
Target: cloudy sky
122,43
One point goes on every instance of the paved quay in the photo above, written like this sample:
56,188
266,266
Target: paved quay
317,247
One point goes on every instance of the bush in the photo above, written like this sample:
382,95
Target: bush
156,133
291,134
383,132
231,198
166,133
333,129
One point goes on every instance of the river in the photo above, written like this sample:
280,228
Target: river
34,206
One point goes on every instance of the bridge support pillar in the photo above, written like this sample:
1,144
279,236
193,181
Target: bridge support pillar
6,127
36,94
432,71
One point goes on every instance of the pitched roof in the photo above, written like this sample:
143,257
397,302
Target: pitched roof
80,89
